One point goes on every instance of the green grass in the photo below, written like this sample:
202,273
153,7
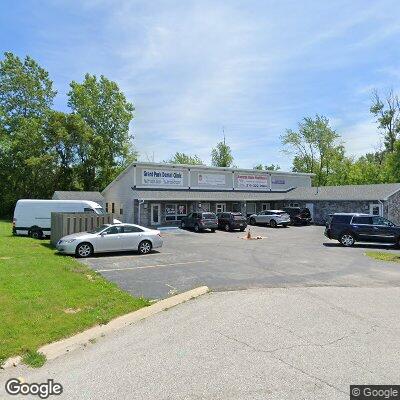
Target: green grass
34,359
380,255
45,296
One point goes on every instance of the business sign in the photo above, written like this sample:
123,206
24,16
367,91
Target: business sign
252,181
158,177
278,181
211,180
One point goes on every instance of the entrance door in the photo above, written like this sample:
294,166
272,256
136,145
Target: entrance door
155,214
265,206
220,207
250,208
375,209
310,206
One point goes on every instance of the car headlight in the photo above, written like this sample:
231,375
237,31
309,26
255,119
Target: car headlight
69,241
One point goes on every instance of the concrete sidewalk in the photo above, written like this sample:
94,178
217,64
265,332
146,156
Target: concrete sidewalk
295,343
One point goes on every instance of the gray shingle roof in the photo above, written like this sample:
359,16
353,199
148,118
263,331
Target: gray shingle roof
196,195
78,195
346,192
333,193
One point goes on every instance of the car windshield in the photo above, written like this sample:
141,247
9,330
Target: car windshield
98,229
99,210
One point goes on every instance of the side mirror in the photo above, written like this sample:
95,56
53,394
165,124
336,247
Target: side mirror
103,234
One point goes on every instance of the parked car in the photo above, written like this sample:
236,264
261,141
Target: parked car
272,218
33,217
200,221
231,220
298,216
111,238
349,228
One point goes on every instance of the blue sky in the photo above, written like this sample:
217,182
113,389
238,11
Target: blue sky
194,67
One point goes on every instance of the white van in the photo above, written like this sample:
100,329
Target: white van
33,217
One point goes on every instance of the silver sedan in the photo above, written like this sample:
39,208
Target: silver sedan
111,238
272,218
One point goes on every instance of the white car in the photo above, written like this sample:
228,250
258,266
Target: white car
272,218
111,238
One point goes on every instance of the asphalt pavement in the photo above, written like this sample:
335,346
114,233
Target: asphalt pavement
285,257
282,343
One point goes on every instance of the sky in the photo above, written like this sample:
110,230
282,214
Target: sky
194,69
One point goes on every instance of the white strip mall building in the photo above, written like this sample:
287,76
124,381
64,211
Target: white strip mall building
154,194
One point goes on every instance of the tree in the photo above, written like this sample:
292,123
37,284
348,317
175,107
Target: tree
25,90
271,167
106,110
221,155
315,146
387,113
182,158
393,164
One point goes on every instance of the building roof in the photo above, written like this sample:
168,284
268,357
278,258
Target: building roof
78,195
347,192
199,195
330,193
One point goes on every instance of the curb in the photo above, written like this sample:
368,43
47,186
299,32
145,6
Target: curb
81,340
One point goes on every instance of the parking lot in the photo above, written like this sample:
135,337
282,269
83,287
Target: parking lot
285,257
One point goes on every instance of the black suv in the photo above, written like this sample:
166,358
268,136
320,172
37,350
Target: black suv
351,228
200,221
231,220
298,216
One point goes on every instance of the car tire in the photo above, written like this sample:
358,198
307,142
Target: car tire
213,230
347,239
145,247
285,225
252,221
197,228
227,228
36,234
242,229
273,223
84,250
183,225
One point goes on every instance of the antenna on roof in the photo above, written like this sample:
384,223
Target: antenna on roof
223,133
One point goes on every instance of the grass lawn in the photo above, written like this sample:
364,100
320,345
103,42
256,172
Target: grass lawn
380,255
45,296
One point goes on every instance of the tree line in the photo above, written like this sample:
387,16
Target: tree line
42,149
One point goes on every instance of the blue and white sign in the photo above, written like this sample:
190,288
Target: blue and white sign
160,177
278,181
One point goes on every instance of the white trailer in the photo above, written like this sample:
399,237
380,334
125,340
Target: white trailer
33,217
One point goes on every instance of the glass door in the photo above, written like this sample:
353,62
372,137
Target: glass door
155,214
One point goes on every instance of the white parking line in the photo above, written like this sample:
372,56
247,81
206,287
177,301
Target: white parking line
151,266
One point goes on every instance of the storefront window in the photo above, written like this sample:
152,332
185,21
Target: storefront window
175,212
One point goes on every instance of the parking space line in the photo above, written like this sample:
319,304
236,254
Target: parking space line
151,266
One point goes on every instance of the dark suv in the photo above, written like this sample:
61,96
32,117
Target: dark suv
200,221
231,220
298,216
351,228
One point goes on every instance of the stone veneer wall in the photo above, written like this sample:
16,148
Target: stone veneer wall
323,208
393,208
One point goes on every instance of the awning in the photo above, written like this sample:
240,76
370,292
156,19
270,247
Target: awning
197,195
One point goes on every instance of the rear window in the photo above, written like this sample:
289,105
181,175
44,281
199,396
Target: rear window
341,219
209,216
238,216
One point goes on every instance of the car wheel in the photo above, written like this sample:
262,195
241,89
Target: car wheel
183,225
227,227
242,229
252,221
84,250
213,230
36,234
347,239
285,225
273,223
145,247
196,228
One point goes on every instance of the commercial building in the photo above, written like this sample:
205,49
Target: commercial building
155,194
